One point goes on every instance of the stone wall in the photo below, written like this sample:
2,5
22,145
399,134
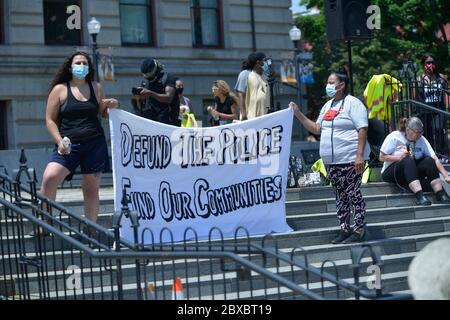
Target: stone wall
27,65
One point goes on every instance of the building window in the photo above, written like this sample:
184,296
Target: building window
2,22
3,126
56,31
206,23
136,22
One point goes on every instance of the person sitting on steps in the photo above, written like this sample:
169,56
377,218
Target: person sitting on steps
408,157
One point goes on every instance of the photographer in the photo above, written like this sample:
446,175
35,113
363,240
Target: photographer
156,98
257,98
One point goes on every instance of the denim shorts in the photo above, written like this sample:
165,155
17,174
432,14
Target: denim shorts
91,156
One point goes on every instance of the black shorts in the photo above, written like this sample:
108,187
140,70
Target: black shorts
91,156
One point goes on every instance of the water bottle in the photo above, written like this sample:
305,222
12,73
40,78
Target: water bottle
67,144
216,117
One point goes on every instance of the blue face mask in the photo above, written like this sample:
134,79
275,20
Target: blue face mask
80,71
266,67
331,90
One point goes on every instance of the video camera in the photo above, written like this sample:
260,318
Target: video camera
136,91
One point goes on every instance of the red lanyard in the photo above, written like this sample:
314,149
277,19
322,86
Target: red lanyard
331,114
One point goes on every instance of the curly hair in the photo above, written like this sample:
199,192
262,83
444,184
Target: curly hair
253,58
224,88
64,73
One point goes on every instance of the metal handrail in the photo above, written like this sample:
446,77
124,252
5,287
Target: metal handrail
61,208
421,105
164,254
209,254
79,245
313,270
185,251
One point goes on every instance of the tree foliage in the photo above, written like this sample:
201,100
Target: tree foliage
409,29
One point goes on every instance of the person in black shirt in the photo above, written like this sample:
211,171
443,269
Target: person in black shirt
156,98
74,105
431,91
225,109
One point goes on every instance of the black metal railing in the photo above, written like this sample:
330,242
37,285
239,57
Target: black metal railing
430,101
48,252
436,123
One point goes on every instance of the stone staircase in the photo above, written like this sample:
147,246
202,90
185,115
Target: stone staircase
310,211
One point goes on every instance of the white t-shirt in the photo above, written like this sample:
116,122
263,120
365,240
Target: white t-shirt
339,138
396,141
241,84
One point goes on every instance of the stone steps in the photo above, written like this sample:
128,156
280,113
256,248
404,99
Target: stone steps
318,235
203,281
392,261
310,238
311,212
293,208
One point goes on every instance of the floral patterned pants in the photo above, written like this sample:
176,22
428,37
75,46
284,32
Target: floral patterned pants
347,188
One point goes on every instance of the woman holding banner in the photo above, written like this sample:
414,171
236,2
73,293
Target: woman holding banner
72,117
343,124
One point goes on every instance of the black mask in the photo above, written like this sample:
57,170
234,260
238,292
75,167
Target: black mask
180,90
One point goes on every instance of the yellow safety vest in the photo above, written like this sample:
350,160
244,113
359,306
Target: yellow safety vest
380,90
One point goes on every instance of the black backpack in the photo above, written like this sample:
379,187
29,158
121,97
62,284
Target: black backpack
376,133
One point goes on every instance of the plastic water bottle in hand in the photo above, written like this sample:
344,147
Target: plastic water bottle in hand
210,109
67,144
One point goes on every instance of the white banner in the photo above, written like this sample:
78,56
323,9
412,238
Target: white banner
224,177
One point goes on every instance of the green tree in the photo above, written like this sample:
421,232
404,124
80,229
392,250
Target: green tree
409,28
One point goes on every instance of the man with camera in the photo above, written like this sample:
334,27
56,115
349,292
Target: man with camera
156,98
257,97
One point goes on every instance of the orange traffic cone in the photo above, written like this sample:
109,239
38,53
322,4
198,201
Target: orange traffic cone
177,290
150,292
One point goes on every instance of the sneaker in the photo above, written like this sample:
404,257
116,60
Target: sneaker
343,234
423,201
356,237
442,197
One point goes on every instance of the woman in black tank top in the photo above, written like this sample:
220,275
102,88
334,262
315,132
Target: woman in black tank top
79,120
225,109
74,105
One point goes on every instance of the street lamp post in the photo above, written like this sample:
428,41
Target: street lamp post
94,29
295,34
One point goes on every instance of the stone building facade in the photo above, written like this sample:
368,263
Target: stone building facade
198,40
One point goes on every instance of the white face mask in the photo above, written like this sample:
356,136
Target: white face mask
331,90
